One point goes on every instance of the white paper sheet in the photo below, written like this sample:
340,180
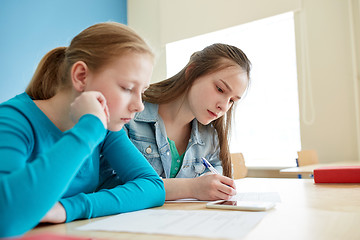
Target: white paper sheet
200,223
244,196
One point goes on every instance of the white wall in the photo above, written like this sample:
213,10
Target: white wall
327,79
327,36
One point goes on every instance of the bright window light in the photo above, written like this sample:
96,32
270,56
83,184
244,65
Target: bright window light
267,125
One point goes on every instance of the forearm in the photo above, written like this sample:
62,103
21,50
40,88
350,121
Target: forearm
42,182
177,188
137,184
131,196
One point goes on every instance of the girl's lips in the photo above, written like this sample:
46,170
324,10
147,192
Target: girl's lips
212,114
126,119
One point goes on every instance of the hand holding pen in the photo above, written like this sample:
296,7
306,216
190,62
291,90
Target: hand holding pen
224,180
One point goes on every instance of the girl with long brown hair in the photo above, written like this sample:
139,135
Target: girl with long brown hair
187,117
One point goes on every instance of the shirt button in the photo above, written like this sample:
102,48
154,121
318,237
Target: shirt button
178,160
148,150
190,140
176,168
168,153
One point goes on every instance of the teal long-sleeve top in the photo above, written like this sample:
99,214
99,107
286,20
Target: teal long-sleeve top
40,165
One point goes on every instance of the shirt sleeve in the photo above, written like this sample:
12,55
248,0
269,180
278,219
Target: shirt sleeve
29,190
139,185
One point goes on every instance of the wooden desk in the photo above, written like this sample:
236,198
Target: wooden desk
309,169
307,211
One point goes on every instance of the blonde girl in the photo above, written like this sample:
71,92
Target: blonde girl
52,136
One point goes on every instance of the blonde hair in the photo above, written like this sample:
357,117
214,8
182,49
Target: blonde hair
96,46
211,59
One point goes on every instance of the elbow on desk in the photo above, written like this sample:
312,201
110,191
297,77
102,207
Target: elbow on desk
160,192
155,190
154,193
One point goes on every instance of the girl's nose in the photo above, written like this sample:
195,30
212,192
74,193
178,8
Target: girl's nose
223,105
137,105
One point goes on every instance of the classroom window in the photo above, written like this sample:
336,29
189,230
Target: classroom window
267,125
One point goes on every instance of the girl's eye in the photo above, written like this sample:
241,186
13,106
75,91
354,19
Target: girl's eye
219,89
127,89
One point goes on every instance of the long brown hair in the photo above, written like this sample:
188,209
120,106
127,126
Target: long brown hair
96,46
209,60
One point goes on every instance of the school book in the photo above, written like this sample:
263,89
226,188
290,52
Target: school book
337,174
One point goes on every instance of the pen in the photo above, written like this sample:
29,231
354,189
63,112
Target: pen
208,165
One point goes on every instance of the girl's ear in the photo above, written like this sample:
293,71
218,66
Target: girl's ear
79,73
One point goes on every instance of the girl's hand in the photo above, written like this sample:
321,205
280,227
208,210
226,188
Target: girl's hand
56,214
90,102
213,187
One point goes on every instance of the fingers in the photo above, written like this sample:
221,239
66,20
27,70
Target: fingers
100,98
107,113
102,101
226,187
90,102
228,181
215,187
222,196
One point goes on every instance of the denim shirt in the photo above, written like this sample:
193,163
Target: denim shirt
148,134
